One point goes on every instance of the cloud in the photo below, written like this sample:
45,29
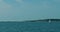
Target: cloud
42,4
4,5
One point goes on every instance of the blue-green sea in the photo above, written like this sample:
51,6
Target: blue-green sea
38,26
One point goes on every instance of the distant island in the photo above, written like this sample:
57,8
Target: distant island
45,20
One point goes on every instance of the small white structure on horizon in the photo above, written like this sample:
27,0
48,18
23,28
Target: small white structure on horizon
49,21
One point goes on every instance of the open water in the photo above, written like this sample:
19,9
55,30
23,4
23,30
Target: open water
38,26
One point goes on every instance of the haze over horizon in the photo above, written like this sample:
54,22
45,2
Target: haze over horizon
29,9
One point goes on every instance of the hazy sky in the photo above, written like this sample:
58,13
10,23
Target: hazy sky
29,9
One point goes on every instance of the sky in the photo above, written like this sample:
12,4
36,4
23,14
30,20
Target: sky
29,9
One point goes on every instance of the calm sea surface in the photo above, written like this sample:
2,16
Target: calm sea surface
30,26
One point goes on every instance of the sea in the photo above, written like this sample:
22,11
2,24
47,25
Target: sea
27,26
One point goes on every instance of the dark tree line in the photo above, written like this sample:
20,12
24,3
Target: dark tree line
45,20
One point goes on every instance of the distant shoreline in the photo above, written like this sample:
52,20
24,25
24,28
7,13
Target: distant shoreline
30,20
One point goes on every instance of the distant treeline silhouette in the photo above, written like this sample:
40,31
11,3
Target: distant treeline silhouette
50,20
45,20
